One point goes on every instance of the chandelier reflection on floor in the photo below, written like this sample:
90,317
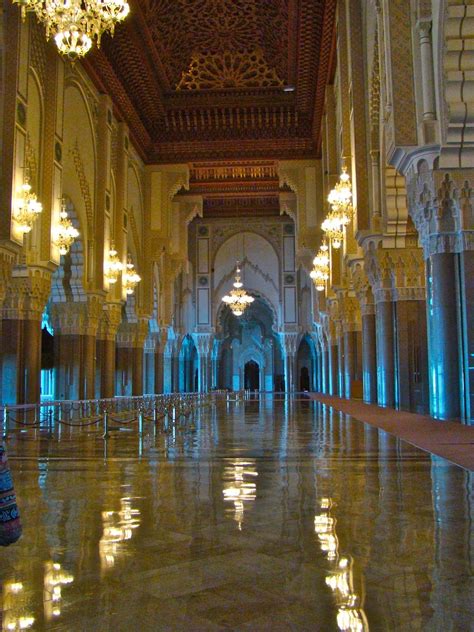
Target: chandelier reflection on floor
75,24
350,613
238,300
239,486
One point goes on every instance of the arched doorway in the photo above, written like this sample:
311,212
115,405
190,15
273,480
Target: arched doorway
304,379
305,365
252,376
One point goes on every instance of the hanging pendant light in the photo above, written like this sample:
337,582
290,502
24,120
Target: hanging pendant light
76,24
130,277
340,198
113,266
333,230
238,300
320,271
65,233
26,207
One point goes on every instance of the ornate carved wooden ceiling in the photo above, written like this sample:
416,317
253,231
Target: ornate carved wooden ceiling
206,79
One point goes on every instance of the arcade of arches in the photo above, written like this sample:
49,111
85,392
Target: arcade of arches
187,166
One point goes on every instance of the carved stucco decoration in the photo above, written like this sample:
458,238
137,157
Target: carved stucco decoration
396,273
27,293
231,69
403,128
442,208
181,29
110,321
84,185
270,232
77,318
38,54
374,102
458,143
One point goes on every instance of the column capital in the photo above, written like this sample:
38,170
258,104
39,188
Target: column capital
395,273
442,208
132,335
78,317
110,320
289,342
203,342
27,293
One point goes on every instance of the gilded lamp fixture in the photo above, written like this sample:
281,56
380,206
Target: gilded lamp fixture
75,24
113,266
340,198
27,208
65,233
238,300
130,277
320,271
333,230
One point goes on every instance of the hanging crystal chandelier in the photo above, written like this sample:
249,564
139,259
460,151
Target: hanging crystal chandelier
75,24
65,233
26,208
340,198
320,271
113,266
333,230
130,277
238,300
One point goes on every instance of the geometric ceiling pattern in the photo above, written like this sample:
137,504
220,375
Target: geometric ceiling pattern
220,79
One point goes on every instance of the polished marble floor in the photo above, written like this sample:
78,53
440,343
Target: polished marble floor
262,515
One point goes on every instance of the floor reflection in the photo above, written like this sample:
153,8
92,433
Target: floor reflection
118,527
350,614
262,515
239,487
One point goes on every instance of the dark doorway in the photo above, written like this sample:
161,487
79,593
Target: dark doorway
304,379
252,376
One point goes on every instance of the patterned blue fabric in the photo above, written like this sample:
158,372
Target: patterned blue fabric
10,526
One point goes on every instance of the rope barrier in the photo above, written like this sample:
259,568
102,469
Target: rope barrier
149,409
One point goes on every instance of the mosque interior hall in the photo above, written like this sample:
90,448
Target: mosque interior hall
237,315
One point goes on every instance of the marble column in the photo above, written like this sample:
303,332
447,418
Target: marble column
21,361
466,265
326,370
137,370
340,367
203,342
411,356
348,363
76,325
369,356
130,350
106,363
160,346
123,369
23,307
333,360
444,339
385,354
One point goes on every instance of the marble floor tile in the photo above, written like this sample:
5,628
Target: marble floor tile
271,515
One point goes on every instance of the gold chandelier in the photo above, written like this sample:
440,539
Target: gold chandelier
75,24
238,300
65,232
130,277
26,207
340,198
320,271
333,229
113,266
